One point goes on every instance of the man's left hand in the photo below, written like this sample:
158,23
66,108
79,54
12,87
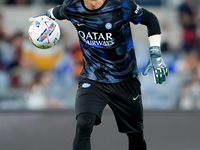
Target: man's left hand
159,67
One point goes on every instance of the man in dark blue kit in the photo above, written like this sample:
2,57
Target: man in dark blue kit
110,75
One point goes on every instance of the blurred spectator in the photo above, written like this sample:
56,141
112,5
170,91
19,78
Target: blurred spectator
165,43
21,68
3,35
190,95
18,2
21,75
188,14
5,48
42,95
10,51
58,2
16,42
172,3
5,56
37,97
188,69
189,64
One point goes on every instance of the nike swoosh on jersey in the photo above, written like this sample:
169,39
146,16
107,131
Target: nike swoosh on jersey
80,24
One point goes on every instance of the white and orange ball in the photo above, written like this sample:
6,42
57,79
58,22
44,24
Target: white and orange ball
44,33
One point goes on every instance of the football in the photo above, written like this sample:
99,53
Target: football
44,33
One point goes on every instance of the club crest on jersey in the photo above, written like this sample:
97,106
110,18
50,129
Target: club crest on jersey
108,26
86,85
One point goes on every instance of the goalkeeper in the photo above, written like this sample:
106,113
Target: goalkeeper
110,75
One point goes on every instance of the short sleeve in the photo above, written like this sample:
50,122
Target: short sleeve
60,12
132,11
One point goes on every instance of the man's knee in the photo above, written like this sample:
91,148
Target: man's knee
85,123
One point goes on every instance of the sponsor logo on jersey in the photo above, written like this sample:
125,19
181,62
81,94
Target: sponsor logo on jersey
108,26
96,38
86,85
137,9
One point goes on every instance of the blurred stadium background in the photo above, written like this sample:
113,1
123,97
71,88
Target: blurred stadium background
38,87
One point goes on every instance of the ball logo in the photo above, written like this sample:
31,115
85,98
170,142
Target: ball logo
108,26
47,32
37,23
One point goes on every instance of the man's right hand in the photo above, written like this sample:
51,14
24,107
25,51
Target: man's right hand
45,14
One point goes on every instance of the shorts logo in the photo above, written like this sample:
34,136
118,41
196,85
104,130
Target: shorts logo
135,98
86,85
108,26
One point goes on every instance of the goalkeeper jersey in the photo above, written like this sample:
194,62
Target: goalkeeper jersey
105,37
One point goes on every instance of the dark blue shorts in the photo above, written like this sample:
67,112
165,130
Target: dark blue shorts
123,98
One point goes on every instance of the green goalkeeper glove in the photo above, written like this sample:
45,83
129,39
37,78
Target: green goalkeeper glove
48,14
160,69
